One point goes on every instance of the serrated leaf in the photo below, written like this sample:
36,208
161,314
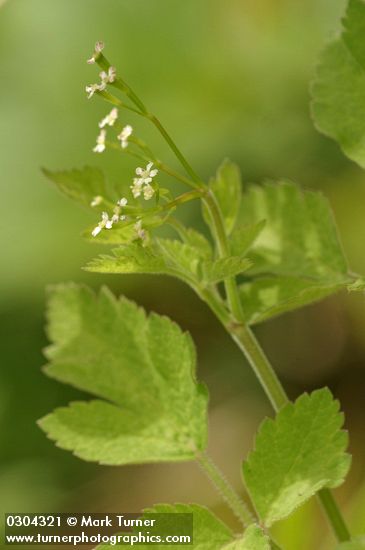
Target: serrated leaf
267,297
244,236
162,256
297,257
111,349
131,258
253,539
299,238
179,256
296,455
356,544
209,532
198,241
82,185
339,86
227,189
218,270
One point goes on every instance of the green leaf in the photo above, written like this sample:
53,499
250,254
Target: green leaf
209,532
244,236
227,188
197,241
169,257
299,238
141,368
267,297
297,257
83,185
119,234
356,544
253,539
218,270
131,258
190,260
179,256
296,455
339,86
162,256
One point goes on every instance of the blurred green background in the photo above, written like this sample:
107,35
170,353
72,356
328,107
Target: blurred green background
228,78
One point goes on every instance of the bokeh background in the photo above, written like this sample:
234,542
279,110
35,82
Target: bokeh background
228,78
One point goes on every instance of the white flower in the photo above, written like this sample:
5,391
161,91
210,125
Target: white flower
99,46
136,188
148,192
146,174
96,230
109,119
100,142
96,201
122,202
124,135
92,88
142,183
105,222
107,77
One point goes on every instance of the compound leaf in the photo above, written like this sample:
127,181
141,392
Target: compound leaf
141,369
297,257
296,455
170,257
339,86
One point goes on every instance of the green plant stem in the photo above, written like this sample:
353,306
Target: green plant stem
224,251
225,489
189,170
246,341
334,515
115,101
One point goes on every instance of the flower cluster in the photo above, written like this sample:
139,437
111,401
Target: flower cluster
106,77
99,46
100,142
124,135
105,221
109,119
141,184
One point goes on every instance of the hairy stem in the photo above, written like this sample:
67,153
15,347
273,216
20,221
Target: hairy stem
240,509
